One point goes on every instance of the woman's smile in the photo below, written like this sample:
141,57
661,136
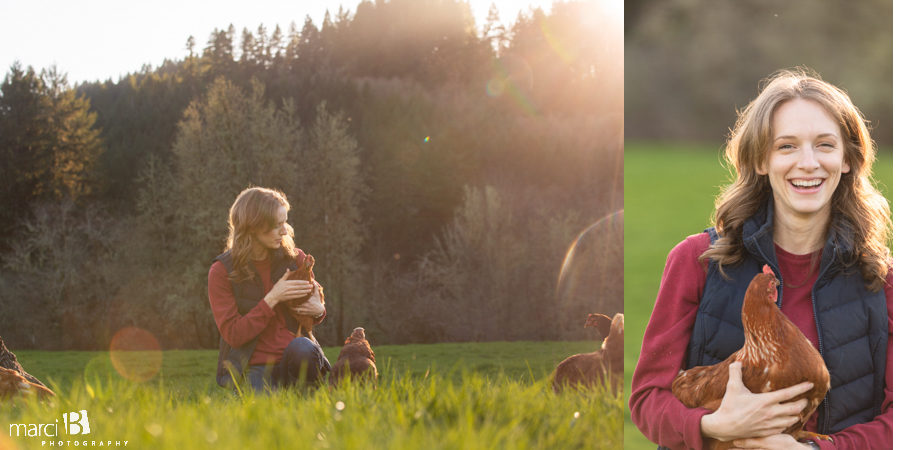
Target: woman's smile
806,186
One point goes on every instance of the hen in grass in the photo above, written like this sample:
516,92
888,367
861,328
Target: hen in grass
775,355
590,368
15,380
356,360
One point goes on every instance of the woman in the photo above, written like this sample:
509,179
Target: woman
801,202
247,289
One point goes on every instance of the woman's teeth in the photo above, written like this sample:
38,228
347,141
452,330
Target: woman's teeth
806,183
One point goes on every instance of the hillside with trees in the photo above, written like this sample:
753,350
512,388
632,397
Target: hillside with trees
439,172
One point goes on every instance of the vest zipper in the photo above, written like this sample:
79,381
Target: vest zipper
822,425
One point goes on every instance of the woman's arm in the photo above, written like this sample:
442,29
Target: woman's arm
237,330
654,409
877,433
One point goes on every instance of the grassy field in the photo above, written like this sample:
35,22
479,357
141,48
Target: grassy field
487,395
669,194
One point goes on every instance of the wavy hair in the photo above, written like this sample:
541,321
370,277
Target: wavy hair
859,213
254,210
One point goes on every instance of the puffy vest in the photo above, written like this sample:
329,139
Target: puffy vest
851,322
247,294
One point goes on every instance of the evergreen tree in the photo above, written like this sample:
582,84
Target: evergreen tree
218,55
328,215
48,141
248,48
189,46
74,142
24,160
494,32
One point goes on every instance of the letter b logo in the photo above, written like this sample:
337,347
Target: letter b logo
77,422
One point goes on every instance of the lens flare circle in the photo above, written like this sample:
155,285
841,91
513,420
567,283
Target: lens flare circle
135,353
495,86
513,78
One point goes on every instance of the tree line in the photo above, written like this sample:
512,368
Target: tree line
438,172
692,65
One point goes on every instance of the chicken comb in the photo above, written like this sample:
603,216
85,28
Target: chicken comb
768,270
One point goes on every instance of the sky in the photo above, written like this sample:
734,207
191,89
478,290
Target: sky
93,40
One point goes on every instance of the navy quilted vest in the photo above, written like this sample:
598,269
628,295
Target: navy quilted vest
247,295
852,323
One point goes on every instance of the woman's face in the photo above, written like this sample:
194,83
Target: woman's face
806,160
272,238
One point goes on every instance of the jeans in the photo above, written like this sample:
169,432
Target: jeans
303,361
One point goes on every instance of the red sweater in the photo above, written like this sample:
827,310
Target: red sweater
664,419
261,321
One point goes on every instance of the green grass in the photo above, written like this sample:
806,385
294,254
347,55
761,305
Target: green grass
669,194
489,395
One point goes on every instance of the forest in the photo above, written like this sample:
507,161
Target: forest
691,64
454,182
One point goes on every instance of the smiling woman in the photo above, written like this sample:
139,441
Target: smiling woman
804,168
802,203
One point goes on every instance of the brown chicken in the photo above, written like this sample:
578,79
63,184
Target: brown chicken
14,379
589,368
13,383
304,273
356,359
775,355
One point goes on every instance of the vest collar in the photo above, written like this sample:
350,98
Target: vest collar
757,238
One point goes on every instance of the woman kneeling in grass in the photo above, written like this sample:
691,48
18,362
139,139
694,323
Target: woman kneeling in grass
248,286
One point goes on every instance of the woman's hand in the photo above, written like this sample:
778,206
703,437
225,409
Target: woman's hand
743,414
286,289
314,307
773,442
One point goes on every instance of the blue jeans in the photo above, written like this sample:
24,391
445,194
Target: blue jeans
302,361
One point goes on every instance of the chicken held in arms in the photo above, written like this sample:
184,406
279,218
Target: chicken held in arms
775,355
304,273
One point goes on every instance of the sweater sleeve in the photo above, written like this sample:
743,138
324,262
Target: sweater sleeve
237,330
654,409
877,433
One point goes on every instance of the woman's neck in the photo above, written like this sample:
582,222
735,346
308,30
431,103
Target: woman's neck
258,252
800,235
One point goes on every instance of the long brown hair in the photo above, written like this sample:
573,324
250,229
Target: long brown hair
865,218
254,210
